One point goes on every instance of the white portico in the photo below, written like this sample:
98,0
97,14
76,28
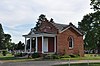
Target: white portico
44,42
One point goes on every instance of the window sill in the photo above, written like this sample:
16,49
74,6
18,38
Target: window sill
70,48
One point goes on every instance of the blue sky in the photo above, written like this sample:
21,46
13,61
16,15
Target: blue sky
19,16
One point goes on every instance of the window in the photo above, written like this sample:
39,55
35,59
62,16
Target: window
71,42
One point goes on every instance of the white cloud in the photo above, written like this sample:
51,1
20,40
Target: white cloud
25,12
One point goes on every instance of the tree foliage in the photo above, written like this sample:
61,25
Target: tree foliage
42,17
1,37
95,4
19,46
7,41
90,24
91,27
28,43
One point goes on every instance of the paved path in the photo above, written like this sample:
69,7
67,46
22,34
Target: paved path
80,61
1,62
44,63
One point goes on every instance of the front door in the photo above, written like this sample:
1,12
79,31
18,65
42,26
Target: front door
51,44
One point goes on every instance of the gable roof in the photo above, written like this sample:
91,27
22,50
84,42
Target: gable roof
60,27
63,27
74,27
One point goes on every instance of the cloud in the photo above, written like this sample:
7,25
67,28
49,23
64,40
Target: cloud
18,16
15,12
17,31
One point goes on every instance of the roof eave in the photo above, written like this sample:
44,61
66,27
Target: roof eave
73,28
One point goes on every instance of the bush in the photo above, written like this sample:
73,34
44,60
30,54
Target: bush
55,56
73,56
48,56
35,55
13,53
18,55
51,56
4,52
24,54
65,56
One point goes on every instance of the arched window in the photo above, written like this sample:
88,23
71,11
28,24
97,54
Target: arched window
71,42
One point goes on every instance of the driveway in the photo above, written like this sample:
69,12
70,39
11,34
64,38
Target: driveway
44,63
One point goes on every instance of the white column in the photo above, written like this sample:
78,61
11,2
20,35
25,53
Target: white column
42,43
55,44
36,47
25,43
30,44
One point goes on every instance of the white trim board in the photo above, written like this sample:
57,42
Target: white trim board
73,28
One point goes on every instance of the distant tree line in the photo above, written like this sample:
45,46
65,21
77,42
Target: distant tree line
5,42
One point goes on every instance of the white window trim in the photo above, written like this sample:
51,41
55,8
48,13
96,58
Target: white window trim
72,43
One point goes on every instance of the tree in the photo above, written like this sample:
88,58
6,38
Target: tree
90,25
15,46
1,37
95,4
7,41
20,46
12,46
33,43
91,29
42,17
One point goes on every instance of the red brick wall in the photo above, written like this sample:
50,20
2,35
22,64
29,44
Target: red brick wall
62,39
47,27
63,44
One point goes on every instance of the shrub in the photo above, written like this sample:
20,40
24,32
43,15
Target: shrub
73,56
35,55
65,56
13,53
18,55
4,52
55,56
51,56
24,54
48,56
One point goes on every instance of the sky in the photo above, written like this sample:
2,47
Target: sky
19,16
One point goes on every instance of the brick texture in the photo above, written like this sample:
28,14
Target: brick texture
63,43
47,27
62,39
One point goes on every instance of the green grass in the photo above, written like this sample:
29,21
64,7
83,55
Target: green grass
11,58
86,57
81,64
